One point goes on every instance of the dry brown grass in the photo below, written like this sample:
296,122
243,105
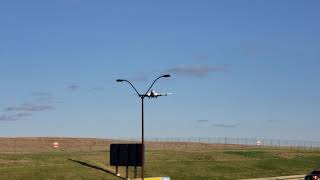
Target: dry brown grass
44,144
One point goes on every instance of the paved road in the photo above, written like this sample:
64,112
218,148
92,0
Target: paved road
294,177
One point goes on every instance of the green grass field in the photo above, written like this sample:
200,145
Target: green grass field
195,165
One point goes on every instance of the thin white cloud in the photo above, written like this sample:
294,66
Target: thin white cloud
14,117
73,87
48,100
41,94
272,121
196,70
220,125
29,107
202,121
7,118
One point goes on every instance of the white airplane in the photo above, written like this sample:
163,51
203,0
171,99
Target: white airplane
153,94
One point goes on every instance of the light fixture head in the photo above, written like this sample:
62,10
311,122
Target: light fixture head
166,75
120,80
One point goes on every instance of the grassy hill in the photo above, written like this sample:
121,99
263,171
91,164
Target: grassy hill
181,164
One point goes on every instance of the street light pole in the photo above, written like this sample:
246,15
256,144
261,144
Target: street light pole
142,138
142,96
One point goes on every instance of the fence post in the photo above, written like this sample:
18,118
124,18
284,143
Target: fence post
225,143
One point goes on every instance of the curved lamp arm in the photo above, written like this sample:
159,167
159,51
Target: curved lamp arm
167,75
122,80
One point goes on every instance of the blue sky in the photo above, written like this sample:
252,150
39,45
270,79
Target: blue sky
239,68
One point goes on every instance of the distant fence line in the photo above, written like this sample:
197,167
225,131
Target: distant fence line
237,141
152,143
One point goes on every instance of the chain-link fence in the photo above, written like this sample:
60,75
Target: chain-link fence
174,143
203,143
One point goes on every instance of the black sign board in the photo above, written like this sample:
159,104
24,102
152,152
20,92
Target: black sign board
126,155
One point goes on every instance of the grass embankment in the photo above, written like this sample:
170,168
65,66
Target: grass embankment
193,165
